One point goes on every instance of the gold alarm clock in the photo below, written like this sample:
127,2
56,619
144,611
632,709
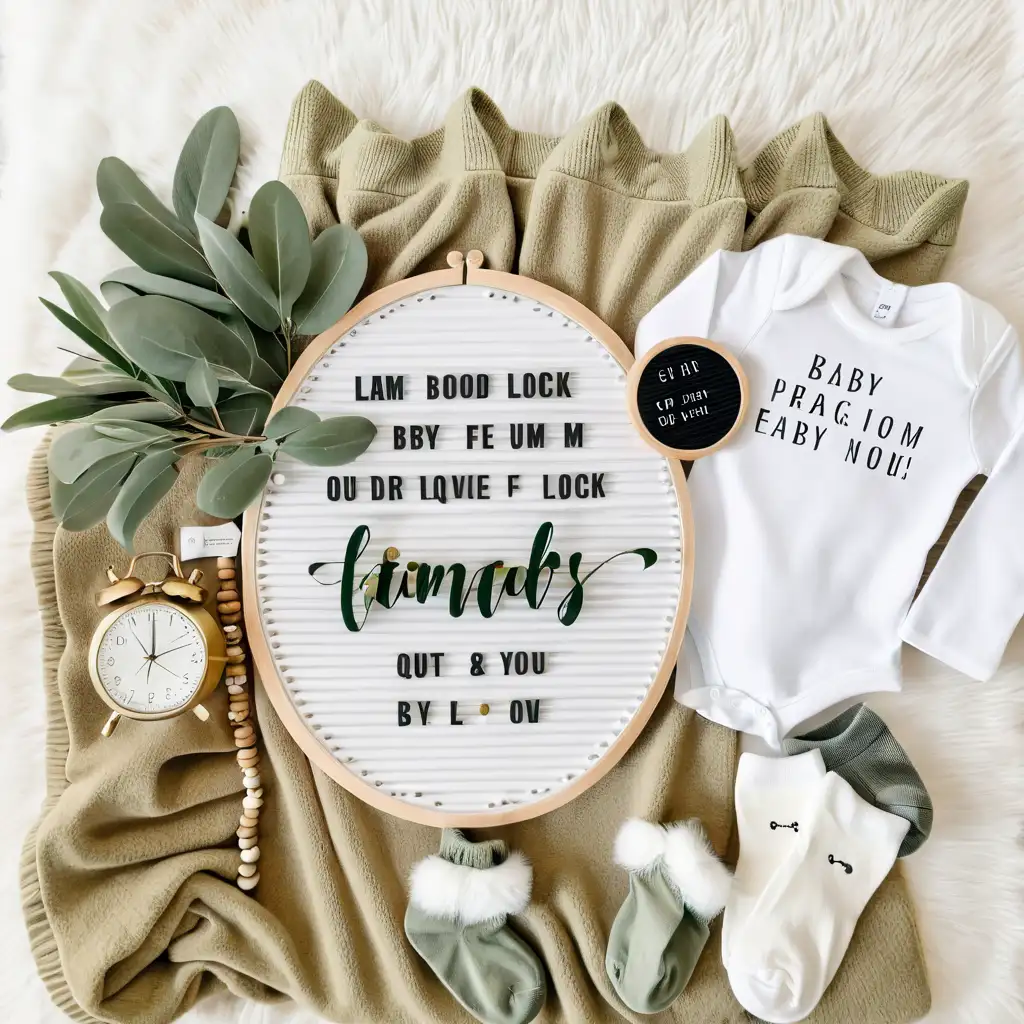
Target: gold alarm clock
159,652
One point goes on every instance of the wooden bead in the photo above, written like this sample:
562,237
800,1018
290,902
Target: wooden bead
244,730
235,689
257,792
235,659
225,561
251,781
233,617
227,595
250,773
251,856
251,759
233,651
252,803
240,703
244,743
247,870
248,883
250,819
229,607
235,671
247,844
232,630
246,831
225,574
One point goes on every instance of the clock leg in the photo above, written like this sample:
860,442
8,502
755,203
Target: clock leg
111,724
201,713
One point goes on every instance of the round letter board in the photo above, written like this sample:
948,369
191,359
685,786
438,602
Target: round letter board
469,720
687,397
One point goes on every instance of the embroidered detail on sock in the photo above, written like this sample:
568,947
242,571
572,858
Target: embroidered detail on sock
795,826
848,868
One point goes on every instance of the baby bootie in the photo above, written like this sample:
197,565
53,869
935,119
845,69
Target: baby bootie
457,920
677,886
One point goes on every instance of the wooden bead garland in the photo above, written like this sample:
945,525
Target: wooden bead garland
235,677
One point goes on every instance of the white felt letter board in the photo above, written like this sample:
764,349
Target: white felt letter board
470,623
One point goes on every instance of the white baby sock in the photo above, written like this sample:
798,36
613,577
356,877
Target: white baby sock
796,935
774,800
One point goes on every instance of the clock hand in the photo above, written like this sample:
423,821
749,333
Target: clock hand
167,670
141,644
152,646
172,650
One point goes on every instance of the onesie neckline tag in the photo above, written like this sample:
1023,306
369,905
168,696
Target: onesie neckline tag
891,297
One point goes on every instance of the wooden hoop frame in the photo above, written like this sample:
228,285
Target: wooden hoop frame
464,270
633,383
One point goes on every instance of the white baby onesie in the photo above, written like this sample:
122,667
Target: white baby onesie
871,406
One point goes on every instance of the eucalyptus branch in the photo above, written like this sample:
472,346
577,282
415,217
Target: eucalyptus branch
144,345
205,428
286,330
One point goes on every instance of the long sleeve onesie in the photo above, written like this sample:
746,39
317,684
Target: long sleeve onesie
871,405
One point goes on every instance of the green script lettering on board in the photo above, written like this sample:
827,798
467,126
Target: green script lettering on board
532,581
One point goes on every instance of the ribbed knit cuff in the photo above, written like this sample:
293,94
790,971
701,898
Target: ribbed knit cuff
457,849
325,139
757,771
842,739
917,206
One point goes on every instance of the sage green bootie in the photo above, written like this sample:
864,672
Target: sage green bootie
457,920
677,886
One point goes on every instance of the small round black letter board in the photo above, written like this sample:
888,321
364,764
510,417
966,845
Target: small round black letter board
687,396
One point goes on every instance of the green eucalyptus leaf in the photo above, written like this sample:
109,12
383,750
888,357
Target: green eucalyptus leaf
201,384
206,166
150,479
87,500
166,336
106,379
136,431
154,284
331,442
74,451
117,184
335,277
54,410
221,451
154,246
83,303
268,354
149,412
238,274
279,236
58,386
245,414
232,484
286,421
113,292
102,348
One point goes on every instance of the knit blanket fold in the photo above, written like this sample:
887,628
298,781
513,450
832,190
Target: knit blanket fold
128,878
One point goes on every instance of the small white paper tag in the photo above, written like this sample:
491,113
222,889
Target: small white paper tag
209,541
889,303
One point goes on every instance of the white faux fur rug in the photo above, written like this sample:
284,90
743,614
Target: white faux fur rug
937,85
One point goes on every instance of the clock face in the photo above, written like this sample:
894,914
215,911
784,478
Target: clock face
151,659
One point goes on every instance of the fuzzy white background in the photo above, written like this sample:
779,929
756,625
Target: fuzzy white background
931,84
